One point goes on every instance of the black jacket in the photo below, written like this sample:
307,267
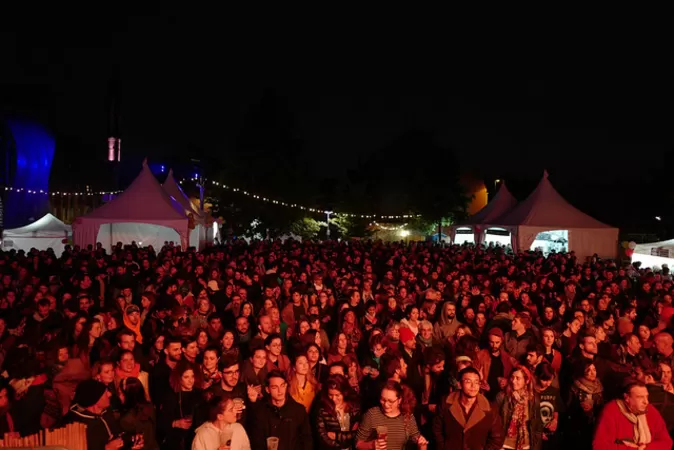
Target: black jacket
100,428
290,424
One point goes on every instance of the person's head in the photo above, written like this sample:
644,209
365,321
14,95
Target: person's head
574,325
377,345
469,379
301,365
426,330
132,392
434,358
103,371
126,361
133,314
221,410
173,348
313,353
126,339
93,396
663,343
665,373
337,368
391,398
229,367
259,358
586,369
277,387
548,337
274,344
227,340
336,393
644,332
265,325
242,325
631,343
495,338
449,310
636,397
520,379
189,347
545,375
535,354
211,358
184,376
588,345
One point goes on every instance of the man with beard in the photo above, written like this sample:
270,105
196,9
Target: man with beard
159,385
466,420
631,422
496,364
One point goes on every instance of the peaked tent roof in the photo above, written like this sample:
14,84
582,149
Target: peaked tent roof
174,190
143,200
48,225
545,207
500,204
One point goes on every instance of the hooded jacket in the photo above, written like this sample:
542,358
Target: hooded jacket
101,429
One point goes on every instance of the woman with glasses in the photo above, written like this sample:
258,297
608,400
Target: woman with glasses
390,425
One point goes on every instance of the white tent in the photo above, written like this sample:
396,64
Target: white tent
547,211
144,213
205,230
655,254
502,202
44,233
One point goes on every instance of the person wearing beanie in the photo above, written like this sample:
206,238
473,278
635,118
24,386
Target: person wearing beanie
495,364
413,357
90,407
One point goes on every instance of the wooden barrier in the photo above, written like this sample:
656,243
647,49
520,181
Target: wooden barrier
72,437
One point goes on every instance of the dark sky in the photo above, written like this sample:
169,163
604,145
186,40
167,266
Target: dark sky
585,96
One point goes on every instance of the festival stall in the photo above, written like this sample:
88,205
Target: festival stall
46,232
545,219
652,254
143,213
473,230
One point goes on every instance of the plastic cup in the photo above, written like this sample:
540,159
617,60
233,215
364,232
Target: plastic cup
382,432
272,443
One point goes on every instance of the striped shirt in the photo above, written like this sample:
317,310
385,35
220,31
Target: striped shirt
400,430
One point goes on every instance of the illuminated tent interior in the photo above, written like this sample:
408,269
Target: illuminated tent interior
654,254
143,213
206,229
546,221
473,230
46,232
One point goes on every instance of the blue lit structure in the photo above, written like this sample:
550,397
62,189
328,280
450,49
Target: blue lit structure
29,152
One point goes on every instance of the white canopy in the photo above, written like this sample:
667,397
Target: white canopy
144,213
546,210
46,232
499,205
655,254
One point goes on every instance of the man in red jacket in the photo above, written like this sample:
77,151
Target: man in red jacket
631,422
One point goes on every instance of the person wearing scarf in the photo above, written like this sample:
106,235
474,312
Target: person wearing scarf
520,409
132,321
631,423
127,367
583,405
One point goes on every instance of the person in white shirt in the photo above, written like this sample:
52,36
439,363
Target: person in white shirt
221,431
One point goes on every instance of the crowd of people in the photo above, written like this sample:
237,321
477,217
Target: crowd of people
336,345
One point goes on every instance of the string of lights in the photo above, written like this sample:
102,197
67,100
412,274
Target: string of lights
386,228
306,208
43,192
241,191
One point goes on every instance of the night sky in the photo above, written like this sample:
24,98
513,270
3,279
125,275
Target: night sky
585,97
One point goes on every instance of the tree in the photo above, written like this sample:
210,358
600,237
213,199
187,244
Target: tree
306,228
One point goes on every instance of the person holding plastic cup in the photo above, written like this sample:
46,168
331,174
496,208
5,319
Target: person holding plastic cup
221,431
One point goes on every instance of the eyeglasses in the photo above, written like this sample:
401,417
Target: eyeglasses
388,401
231,372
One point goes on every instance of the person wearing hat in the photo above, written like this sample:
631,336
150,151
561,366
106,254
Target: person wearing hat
412,357
90,407
495,363
132,321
